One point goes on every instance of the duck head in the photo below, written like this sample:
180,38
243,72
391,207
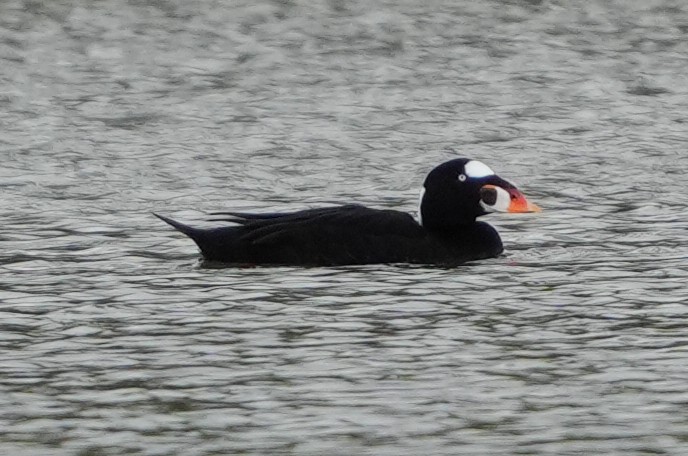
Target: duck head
457,192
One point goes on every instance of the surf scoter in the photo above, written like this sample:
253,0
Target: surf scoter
446,233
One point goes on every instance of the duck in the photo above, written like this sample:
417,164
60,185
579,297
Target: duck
446,231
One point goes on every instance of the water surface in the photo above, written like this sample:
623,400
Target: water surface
114,340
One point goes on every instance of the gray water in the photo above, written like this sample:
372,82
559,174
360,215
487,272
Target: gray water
115,340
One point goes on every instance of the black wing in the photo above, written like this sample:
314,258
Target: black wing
245,218
349,234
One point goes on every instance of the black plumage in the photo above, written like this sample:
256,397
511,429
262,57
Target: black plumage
354,234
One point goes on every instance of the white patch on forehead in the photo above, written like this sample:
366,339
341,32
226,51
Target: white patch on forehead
420,206
476,169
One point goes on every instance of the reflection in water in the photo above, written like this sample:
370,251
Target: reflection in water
115,339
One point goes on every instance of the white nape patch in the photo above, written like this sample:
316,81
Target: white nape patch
501,205
420,205
476,169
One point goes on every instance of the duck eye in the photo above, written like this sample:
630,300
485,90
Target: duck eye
462,177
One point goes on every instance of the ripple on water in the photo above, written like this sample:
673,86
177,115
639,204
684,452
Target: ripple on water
115,339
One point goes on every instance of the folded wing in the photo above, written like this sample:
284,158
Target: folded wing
349,234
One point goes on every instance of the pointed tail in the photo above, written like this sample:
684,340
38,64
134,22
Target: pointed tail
215,243
186,229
